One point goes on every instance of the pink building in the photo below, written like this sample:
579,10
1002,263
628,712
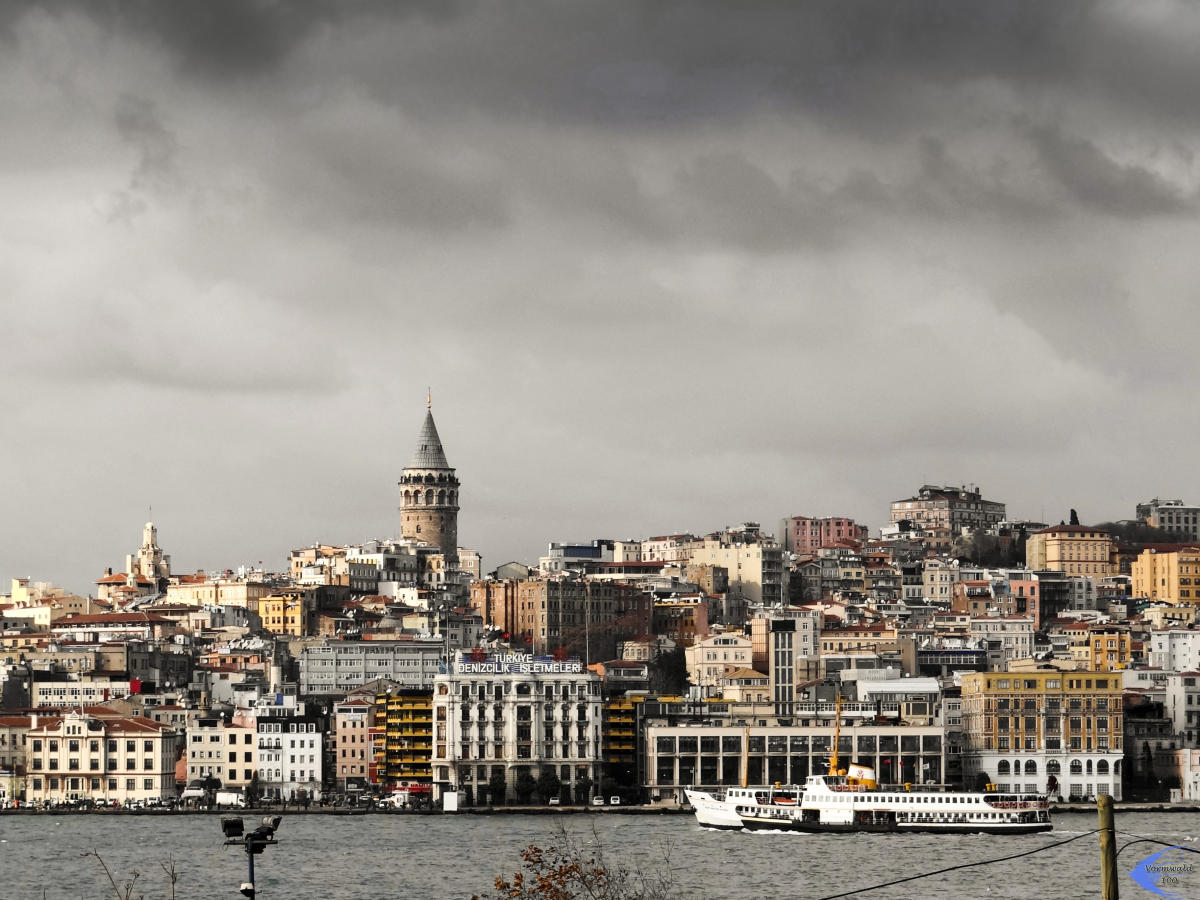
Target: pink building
352,747
802,534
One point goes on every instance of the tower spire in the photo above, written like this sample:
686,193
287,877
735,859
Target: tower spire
429,398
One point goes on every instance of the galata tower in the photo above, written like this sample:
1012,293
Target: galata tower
429,495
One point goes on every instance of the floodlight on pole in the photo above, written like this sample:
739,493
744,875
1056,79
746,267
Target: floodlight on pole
253,843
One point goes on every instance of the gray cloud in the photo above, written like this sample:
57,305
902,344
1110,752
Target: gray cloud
1096,180
669,265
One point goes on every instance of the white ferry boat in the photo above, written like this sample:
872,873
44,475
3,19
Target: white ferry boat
842,803
851,801
729,809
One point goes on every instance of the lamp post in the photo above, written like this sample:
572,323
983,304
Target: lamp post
253,843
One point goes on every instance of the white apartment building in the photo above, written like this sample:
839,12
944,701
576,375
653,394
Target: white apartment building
290,757
1004,637
1182,704
709,659
1175,649
508,713
105,759
338,667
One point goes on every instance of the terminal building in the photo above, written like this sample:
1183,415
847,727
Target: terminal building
516,717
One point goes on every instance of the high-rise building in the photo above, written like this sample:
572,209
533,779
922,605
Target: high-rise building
429,497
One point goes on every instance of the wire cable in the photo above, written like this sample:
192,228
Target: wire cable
1146,840
981,862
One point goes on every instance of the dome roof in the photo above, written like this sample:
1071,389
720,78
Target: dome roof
429,453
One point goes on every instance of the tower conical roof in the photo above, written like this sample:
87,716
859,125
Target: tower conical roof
429,453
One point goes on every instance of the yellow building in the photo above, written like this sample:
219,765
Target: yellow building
402,735
1073,549
1051,731
200,590
288,612
618,740
1108,649
1173,577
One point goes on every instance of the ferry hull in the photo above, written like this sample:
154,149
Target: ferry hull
712,813
754,824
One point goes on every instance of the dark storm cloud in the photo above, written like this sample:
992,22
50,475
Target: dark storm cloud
814,253
234,38
1096,180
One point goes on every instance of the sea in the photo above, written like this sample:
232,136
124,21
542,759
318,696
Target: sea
385,857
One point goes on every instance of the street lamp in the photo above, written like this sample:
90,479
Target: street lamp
253,843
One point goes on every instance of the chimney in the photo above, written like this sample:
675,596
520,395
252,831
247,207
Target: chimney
33,719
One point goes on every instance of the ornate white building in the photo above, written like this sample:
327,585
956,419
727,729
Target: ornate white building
510,713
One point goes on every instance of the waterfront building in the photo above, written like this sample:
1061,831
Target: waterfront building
222,749
290,756
514,716
401,734
337,667
618,739
1058,732
83,756
702,755
1072,549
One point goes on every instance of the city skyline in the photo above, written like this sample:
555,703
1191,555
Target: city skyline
664,271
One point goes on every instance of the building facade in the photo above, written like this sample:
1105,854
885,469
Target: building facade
514,715
337,667
946,511
105,759
1058,732
804,535
1072,549
1172,516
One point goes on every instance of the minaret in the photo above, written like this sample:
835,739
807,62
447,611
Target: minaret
429,495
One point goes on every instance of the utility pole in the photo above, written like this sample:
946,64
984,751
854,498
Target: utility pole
1108,849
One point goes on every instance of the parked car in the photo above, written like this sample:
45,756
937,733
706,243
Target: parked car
614,801
555,801
597,801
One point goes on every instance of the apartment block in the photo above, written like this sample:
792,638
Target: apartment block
1059,732
1072,549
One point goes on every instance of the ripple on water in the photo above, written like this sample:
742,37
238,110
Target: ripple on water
438,857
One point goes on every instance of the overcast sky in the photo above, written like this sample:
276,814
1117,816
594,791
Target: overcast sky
665,266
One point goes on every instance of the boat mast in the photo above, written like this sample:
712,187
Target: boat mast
837,734
746,757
